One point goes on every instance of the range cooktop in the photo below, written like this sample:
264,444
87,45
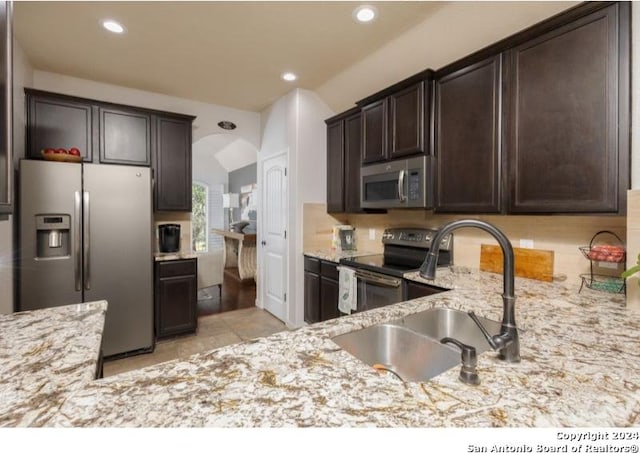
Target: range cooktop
377,263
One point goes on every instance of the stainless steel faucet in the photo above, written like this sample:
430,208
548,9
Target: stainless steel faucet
507,341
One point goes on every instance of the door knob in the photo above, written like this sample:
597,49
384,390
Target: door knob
264,243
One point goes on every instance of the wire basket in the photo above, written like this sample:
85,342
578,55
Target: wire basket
604,252
604,283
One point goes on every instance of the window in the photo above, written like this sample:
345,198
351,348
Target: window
199,217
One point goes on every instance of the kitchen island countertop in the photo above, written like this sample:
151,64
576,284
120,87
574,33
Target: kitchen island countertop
579,368
45,355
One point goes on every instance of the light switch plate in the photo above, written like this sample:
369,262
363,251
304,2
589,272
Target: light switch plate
526,243
372,234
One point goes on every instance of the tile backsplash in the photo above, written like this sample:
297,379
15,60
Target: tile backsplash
561,234
181,218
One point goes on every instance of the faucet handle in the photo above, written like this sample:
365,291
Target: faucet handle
491,340
469,357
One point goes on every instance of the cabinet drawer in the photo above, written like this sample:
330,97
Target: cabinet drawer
177,267
312,265
329,270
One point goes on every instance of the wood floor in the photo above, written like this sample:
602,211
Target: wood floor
231,320
236,294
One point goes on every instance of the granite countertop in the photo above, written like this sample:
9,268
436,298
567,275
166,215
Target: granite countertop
336,255
174,256
579,368
45,355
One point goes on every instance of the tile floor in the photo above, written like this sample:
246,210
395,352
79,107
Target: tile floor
214,331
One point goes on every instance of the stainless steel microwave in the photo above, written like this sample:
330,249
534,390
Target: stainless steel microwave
404,183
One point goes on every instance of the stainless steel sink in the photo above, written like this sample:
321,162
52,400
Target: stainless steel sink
439,322
410,347
407,354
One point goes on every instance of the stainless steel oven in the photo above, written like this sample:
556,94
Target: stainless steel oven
404,183
377,290
379,278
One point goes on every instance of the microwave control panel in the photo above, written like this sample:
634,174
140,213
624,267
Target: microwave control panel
414,186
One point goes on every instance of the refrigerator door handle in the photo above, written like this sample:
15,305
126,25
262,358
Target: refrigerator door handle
77,243
86,266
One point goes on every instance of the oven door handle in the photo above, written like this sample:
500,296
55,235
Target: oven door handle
379,280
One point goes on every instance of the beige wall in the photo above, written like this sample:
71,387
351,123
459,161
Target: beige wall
561,234
451,32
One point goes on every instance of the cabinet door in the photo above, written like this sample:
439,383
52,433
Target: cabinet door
374,132
467,139
6,109
125,136
176,304
173,164
54,122
563,121
311,297
406,122
352,162
329,293
335,167
414,290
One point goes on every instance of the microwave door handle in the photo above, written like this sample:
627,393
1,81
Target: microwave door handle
401,196
378,280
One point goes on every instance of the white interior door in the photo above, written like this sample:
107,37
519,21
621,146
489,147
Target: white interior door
274,237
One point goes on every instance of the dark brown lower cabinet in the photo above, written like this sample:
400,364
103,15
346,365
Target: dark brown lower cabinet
311,297
329,293
175,297
413,290
320,290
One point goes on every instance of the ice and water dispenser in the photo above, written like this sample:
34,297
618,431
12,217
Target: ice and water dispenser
53,236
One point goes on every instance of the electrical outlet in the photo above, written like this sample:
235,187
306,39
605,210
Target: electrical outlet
372,234
526,243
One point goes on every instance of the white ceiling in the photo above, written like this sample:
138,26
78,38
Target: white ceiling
226,53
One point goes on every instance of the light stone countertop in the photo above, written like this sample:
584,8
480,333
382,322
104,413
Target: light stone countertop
44,355
174,256
580,367
336,255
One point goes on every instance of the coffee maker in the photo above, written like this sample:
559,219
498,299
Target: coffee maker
169,238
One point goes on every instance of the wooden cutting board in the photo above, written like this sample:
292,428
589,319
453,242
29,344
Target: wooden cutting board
529,263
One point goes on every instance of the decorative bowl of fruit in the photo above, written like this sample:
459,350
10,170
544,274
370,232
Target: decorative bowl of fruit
62,155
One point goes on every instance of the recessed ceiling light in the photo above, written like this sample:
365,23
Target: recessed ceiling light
365,13
113,26
289,76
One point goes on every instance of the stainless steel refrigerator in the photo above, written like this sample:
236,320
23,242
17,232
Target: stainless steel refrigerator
86,234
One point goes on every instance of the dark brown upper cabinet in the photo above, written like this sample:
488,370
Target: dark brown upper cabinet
335,166
352,162
58,121
395,121
6,109
467,138
406,121
343,162
374,132
172,163
567,127
125,136
119,134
